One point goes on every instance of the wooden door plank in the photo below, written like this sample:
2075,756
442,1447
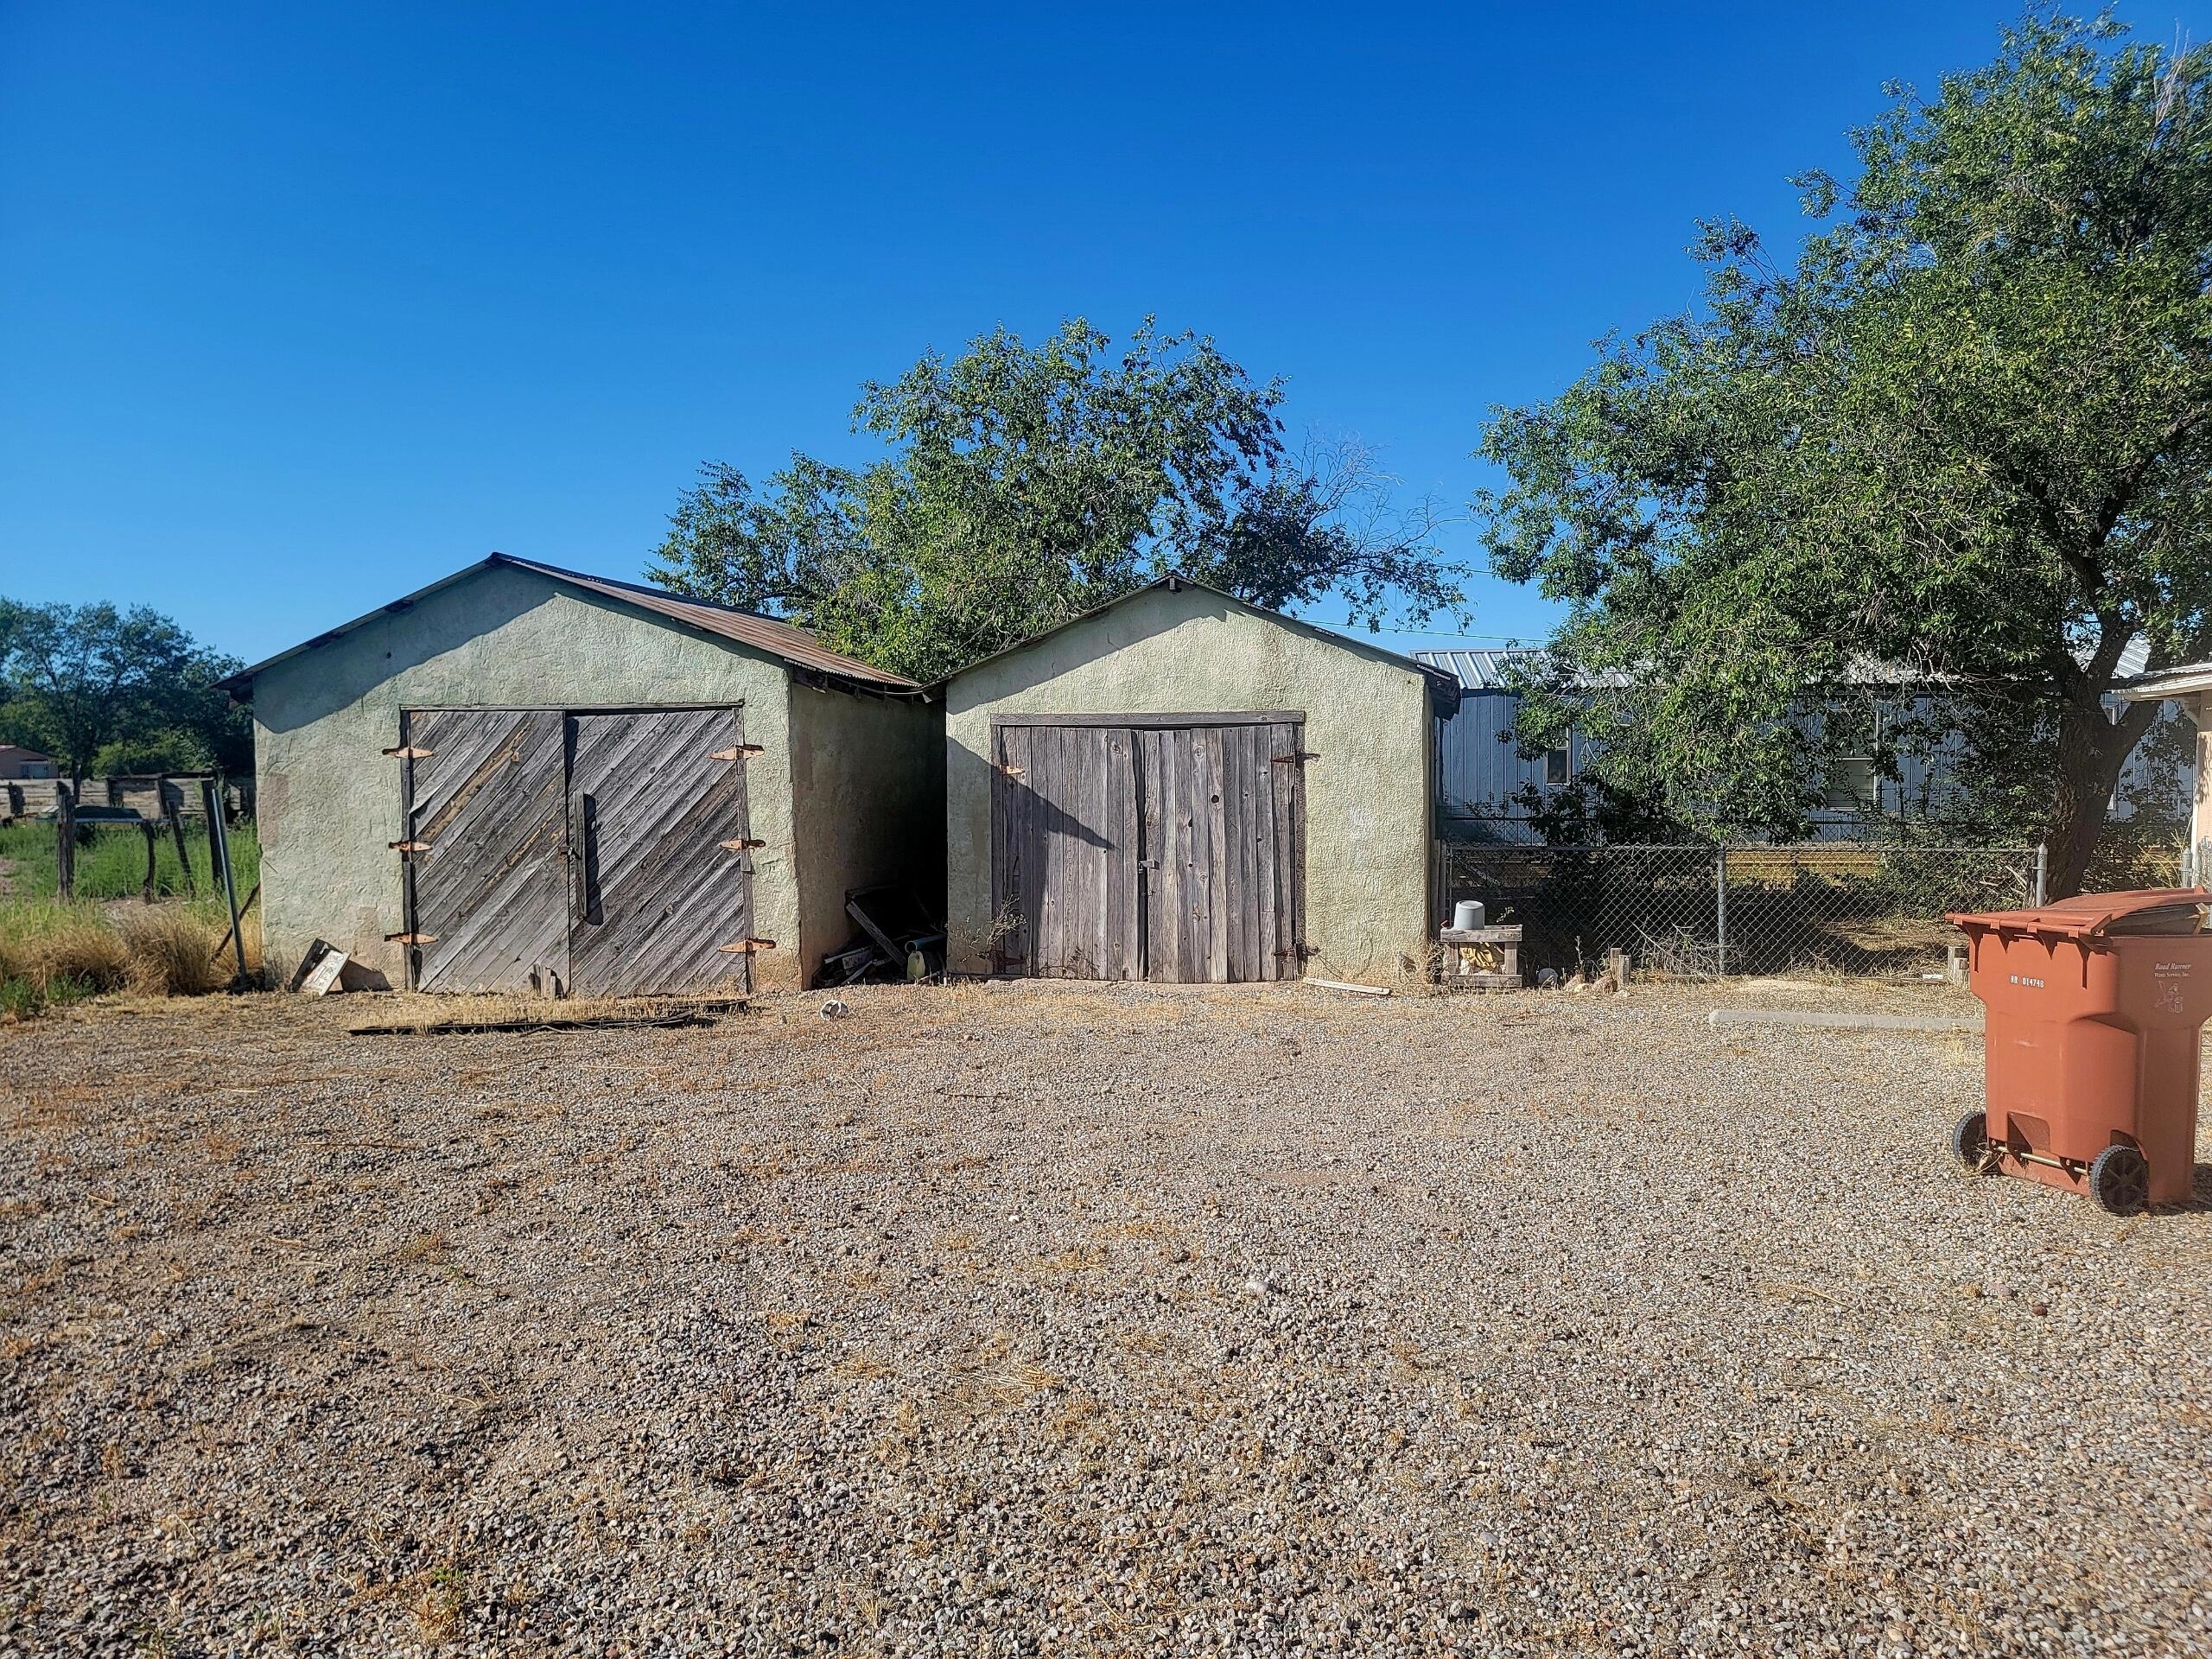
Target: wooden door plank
1268,928
1048,779
1236,884
1182,768
1214,802
1163,886
1122,873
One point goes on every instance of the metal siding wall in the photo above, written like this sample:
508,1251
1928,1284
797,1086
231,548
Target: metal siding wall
1484,769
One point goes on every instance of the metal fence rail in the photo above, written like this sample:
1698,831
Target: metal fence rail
1699,909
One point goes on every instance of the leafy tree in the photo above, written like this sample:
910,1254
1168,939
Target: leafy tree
1026,484
1967,435
75,679
165,751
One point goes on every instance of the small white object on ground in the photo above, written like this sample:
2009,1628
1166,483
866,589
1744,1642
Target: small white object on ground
1347,985
835,1008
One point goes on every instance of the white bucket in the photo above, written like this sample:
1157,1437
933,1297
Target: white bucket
1467,914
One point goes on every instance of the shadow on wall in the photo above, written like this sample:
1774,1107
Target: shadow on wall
339,671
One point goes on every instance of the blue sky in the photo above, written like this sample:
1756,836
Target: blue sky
301,306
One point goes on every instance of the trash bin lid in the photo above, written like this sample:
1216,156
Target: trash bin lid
2149,910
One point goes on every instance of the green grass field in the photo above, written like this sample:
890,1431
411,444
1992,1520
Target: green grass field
112,864
52,953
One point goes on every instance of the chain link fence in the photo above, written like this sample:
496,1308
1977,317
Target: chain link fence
1700,911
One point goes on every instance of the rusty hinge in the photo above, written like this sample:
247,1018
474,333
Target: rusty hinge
1297,757
1011,771
737,753
746,947
741,845
408,846
1303,952
406,752
410,938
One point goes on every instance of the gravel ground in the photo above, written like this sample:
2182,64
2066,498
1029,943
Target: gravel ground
1012,1319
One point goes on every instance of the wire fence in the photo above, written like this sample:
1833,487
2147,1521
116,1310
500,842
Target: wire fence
1700,911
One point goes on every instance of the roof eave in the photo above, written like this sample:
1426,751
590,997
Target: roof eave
239,686
2187,679
1444,687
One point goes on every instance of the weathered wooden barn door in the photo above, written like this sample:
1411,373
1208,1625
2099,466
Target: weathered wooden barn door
486,811
1224,807
1064,849
660,880
1172,852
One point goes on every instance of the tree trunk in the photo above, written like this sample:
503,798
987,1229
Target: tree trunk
2092,749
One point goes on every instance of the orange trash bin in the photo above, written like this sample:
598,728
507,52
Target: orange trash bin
2094,1006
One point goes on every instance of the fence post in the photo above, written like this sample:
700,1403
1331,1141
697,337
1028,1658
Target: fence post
65,824
2043,870
1720,903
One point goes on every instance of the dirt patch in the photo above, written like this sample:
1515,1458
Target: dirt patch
1013,1319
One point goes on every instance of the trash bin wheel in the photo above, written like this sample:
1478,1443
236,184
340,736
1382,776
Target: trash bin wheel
2120,1180
1970,1141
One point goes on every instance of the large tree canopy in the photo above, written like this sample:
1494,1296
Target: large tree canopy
100,687
1024,485
1966,436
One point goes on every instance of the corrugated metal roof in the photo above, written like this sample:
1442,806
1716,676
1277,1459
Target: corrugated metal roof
793,645
1477,671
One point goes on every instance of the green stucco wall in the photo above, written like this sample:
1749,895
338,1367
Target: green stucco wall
1367,796
869,796
328,797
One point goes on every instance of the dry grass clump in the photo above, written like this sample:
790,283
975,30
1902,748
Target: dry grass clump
172,952
82,951
51,953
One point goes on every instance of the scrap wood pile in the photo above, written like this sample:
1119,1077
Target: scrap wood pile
898,939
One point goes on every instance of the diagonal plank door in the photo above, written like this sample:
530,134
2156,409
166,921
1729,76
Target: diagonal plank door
654,797
487,802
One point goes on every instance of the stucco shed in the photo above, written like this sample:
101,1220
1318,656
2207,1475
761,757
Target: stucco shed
524,777
1183,787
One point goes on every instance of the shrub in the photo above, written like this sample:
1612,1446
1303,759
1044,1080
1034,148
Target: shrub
171,952
80,954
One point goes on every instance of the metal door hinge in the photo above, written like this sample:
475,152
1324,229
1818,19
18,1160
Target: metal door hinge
410,938
406,752
1011,771
743,844
1297,757
737,753
746,947
409,846
1303,952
